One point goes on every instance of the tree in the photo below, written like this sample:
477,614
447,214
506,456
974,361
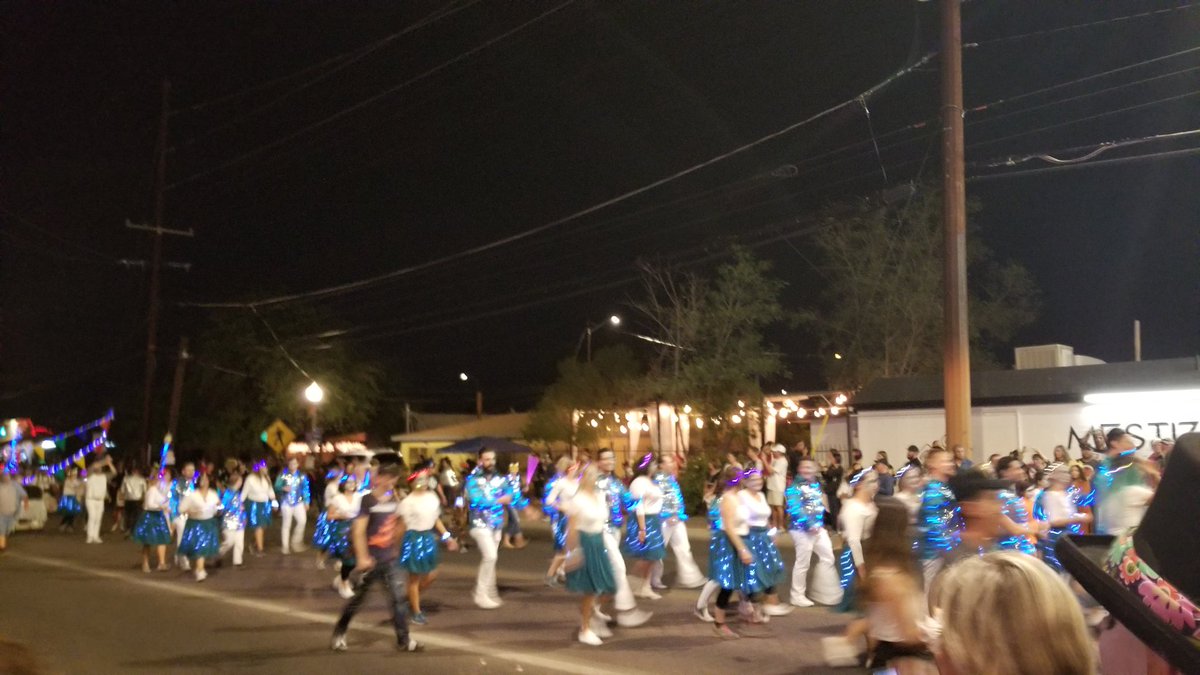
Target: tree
240,380
612,380
881,301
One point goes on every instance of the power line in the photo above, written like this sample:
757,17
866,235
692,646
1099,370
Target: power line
1167,154
1094,150
279,344
355,285
249,154
1078,26
22,220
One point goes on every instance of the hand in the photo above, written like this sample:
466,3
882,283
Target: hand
364,564
641,536
452,545
746,556
1085,517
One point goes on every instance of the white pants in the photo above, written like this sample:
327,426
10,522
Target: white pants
236,540
488,542
623,600
687,572
294,518
95,510
180,523
826,587
929,572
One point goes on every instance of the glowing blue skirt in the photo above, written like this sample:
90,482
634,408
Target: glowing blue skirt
339,545
653,548
1047,547
201,538
558,524
419,551
320,538
724,566
69,506
258,514
152,529
848,574
767,570
595,576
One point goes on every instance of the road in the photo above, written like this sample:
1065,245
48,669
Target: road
89,609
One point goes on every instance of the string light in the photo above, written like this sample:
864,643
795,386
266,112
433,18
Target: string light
80,454
82,429
801,412
736,419
783,413
624,429
699,423
687,409
741,404
594,424
840,399
834,410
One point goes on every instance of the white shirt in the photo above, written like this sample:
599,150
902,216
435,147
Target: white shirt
588,512
345,507
562,492
155,498
200,506
331,491
97,485
1124,510
648,494
72,487
856,520
1058,505
134,487
420,510
758,512
777,481
739,523
258,489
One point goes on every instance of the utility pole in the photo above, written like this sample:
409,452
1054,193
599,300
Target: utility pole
177,387
956,345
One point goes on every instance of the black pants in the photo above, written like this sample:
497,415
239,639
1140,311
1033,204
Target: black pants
393,579
133,511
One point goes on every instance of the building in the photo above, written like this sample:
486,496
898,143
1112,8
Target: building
426,442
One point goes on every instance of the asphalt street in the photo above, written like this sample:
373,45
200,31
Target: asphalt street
89,609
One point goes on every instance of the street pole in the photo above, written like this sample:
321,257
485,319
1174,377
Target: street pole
177,387
160,175
956,346
589,342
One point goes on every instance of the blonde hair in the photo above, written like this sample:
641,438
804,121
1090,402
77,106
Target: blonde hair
989,603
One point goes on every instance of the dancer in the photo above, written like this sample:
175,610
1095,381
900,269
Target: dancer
1060,514
133,489
593,578
259,496
181,487
333,484
940,520
12,498
628,614
69,506
560,489
806,507
717,551
1022,536
856,521
421,511
674,528
376,531
96,491
233,520
728,555
340,512
513,536
153,529
201,535
766,571
295,495
643,532
487,494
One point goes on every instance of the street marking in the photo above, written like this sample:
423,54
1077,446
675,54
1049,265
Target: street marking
431,638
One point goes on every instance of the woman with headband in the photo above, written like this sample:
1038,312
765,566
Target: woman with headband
643,532
421,511
340,512
728,555
259,496
559,490
320,538
591,574
855,522
202,534
766,570
153,529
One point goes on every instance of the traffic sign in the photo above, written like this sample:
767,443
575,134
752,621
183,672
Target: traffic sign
279,436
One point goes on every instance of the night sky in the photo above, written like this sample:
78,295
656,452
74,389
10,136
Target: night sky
289,189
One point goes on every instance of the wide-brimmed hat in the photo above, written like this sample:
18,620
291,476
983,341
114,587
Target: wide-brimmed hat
1149,578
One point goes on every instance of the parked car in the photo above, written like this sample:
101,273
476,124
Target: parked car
35,512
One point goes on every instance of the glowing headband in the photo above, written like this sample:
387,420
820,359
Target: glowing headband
858,477
646,460
420,473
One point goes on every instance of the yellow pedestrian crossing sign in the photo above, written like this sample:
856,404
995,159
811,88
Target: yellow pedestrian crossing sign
278,436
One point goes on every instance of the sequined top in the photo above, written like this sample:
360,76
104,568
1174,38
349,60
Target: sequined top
179,489
292,488
672,501
559,491
519,502
1014,507
714,516
483,491
805,506
940,522
616,496
233,510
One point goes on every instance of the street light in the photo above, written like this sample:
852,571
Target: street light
314,394
463,377
613,321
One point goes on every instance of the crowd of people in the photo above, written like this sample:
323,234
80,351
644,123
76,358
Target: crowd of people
919,543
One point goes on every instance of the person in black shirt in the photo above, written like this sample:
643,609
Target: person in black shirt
832,477
376,535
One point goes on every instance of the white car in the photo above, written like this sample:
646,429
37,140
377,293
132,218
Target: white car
35,512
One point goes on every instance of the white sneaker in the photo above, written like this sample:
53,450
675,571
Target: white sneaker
838,652
201,575
320,563
600,628
337,582
777,609
587,637
648,593
633,618
484,602
286,552
600,615
803,602
184,564
339,643
702,614
346,590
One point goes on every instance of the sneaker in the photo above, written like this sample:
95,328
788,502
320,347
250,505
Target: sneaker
320,563
647,593
411,646
600,628
633,618
146,568
484,602
184,564
201,575
339,643
658,586
418,619
702,614
286,552
803,602
724,632
601,615
587,637
345,590
697,584
337,565
777,609
552,581
337,582
839,652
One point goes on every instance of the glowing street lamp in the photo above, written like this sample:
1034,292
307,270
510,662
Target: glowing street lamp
314,393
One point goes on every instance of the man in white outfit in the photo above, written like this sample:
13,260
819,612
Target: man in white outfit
806,505
628,614
487,494
294,497
674,529
95,494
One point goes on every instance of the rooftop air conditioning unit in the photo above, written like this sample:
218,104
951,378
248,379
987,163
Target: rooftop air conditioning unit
1045,356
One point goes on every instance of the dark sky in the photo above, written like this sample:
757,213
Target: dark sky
586,103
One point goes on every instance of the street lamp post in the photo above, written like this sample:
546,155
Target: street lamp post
463,377
314,394
613,320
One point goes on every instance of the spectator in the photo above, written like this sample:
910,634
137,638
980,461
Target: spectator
1090,457
777,483
882,456
910,480
914,456
833,476
1061,456
993,465
12,499
1083,493
961,460
133,488
887,482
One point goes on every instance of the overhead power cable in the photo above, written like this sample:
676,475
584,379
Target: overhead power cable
1078,26
1167,154
1093,150
362,283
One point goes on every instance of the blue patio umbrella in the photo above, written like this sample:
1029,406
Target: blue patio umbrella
472,446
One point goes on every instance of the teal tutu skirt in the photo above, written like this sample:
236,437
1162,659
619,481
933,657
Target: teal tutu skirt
419,552
767,570
339,545
652,548
69,506
724,566
258,514
320,538
559,525
152,529
595,575
201,538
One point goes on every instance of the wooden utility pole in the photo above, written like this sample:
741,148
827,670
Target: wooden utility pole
160,176
956,345
177,387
